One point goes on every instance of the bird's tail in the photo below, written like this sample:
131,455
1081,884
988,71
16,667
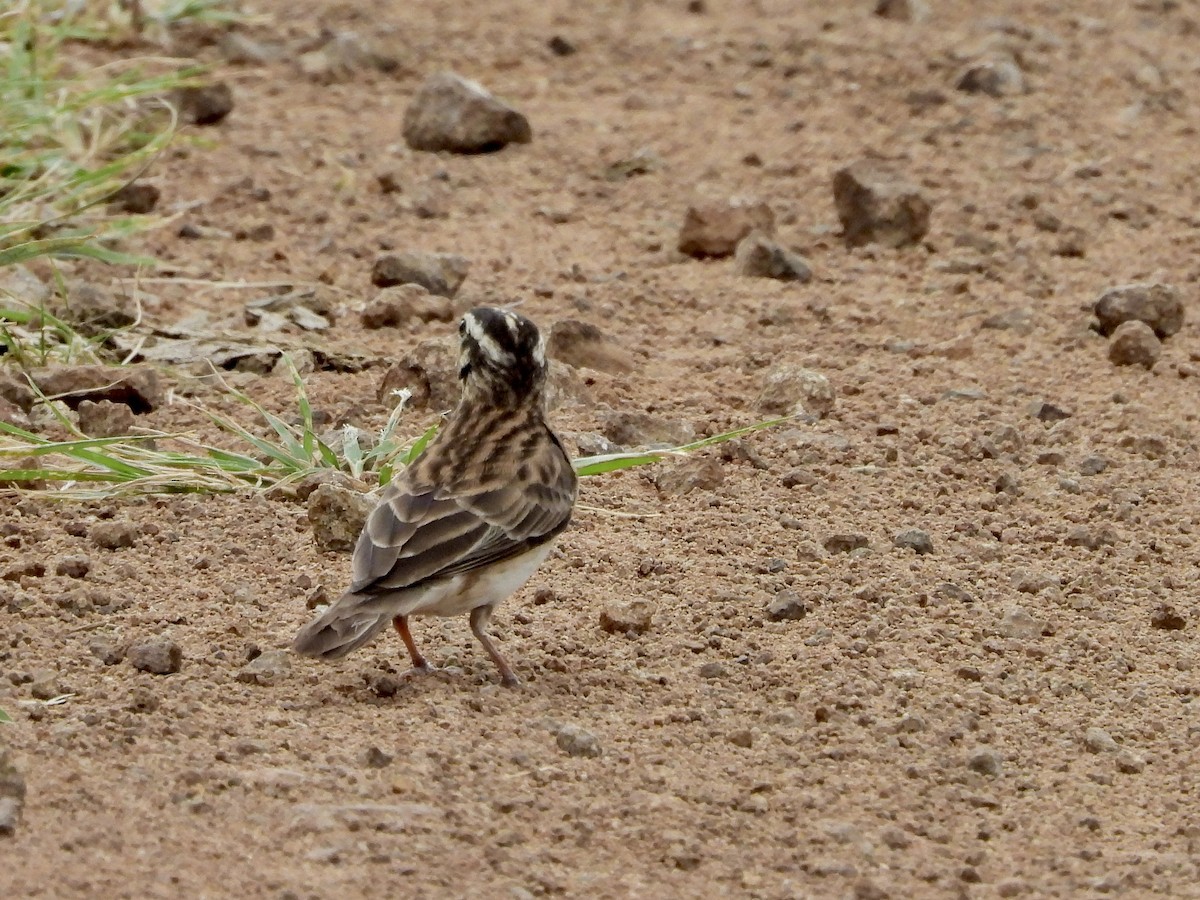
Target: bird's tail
344,627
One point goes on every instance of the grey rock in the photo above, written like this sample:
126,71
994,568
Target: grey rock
1097,740
985,761
793,390
877,205
1134,344
712,670
902,10
584,345
1018,623
630,428
1155,304
1092,465
138,387
113,535
75,566
1130,763
453,113
103,418
997,77
337,516
760,257
12,796
1167,618
156,655
1047,412
266,669
45,685
428,371
627,616
575,741
438,273
716,227
742,737
914,539
845,542
206,104
703,473
405,304
786,606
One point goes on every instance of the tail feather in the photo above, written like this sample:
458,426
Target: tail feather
341,629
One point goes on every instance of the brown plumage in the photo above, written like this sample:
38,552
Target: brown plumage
471,518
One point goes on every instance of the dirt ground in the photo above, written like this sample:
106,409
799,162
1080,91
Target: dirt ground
1008,715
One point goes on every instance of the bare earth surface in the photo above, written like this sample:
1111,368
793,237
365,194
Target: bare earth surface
1011,714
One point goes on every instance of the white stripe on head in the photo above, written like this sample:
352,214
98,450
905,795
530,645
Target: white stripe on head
511,320
539,351
486,342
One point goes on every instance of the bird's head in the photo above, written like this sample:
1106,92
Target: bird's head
502,357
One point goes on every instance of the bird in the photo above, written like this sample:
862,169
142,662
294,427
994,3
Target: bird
468,521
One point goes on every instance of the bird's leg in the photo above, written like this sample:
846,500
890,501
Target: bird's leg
420,663
480,616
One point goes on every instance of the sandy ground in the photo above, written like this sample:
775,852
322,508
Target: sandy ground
1009,715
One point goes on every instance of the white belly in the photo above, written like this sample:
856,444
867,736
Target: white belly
484,587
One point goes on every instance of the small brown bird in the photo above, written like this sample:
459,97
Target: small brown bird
467,523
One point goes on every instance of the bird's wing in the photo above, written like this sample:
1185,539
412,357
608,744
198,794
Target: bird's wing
421,533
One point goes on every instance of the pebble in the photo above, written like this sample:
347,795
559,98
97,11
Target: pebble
1134,344
73,566
1092,465
716,227
156,655
627,616
266,668
758,256
453,113
404,304
914,539
1097,740
113,535
712,670
793,390
337,516
45,686
631,428
786,606
902,10
1167,618
846,542
138,387
576,741
137,198
743,737
584,345
374,758
103,418
438,273
997,77
1018,623
698,473
1130,763
985,761
206,104
1047,412
12,796
877,205
1157,305
428,371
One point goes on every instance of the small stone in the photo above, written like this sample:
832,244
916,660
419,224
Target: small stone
205,104
107,651
998,77
1167,618
627,616
902,10
560,46
1097,740
1090,539
1157,305
700,473
715,228
138,387
799,478
743,737
104,418
156,655
45,685
1092,465
266,668
575,741
404,304
630,428
429,372
877,205
1047,412
1134,344
786,606
438,273
453,113
583,345
914,539
985,761
137,198
1019,624
73,566
1011,887
113,535
793,390
712,670
342,56
337,516
846,542
374,758
760,257
1129,763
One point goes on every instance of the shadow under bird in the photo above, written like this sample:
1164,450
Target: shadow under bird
470,519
